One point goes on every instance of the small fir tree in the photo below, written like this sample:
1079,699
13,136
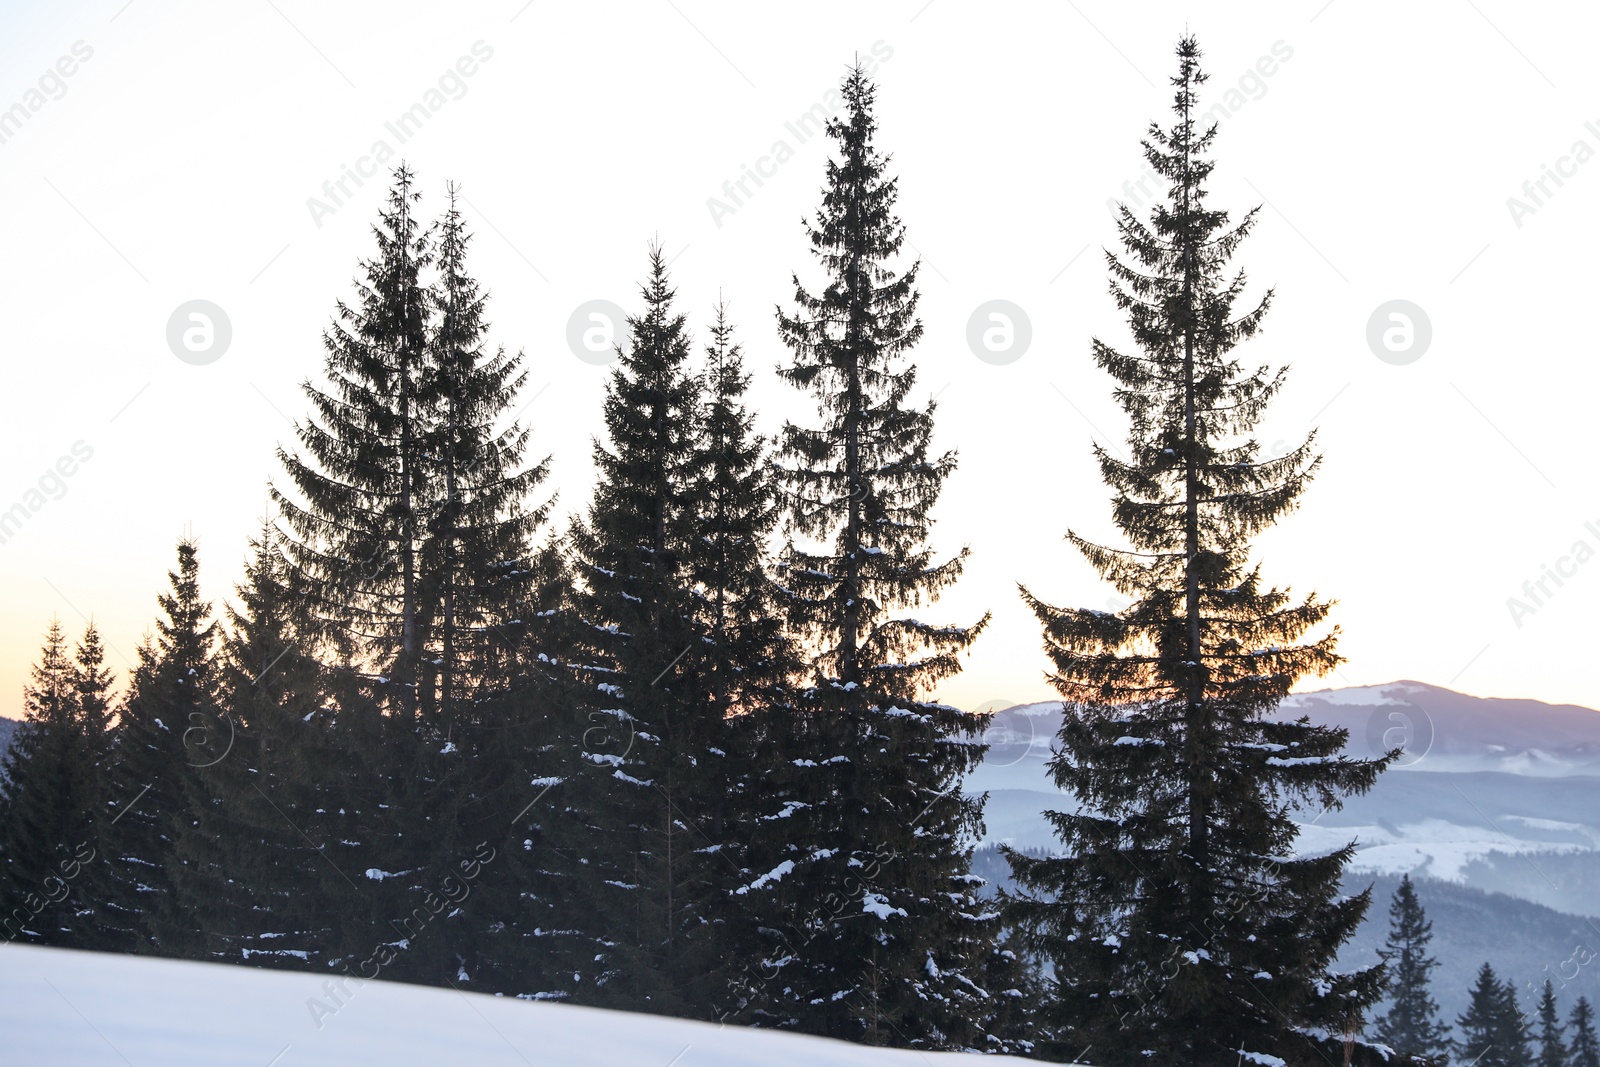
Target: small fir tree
1552,1044
1585,1047
1411,1025
46,806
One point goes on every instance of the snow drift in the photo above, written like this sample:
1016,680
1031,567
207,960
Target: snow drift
77,1009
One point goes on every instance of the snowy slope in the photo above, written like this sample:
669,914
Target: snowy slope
1478,777
65,1009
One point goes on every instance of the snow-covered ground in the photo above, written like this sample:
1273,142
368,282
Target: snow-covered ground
76,1009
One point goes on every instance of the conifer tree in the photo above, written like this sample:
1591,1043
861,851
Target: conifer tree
1514,1028
169,723
878,934
357,516
475,556
747,666
46,815
735,509
1585,1048
1181,850
1493,1032
243,868
1411,1026
644,656
409,540
1552,1045
92,681
481,587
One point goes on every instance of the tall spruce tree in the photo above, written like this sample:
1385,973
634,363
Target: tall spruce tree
1493,1030
482,591
356,518
1411,1025
747,669
1180,922
1585,1045
410,536
476,551
46,806
169,723
877,931
645,658
1552,1043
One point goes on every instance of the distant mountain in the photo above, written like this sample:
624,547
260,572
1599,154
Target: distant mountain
1442,730
1482,787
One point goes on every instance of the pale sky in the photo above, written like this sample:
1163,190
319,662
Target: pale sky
176,160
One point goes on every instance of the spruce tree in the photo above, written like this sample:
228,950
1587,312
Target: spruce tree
356,516
644,657
877,933
409,536
1411,1025
1552,1045
747,666
1493,1032
243,868
169,723
1513,1027
1180,923
480,587
1480,1023
475,556
46,807
92,681
1585,1047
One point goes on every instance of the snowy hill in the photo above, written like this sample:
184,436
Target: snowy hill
1484,787
77,1009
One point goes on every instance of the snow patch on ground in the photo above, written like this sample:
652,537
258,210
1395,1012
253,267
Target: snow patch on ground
85,1009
